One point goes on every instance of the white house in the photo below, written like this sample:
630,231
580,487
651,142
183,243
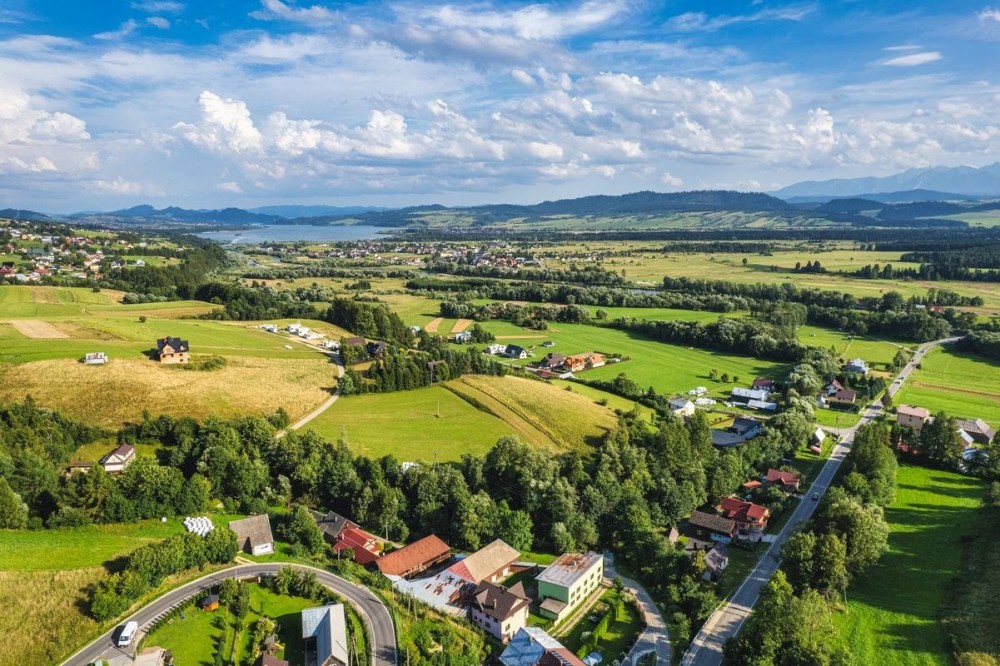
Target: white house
116,461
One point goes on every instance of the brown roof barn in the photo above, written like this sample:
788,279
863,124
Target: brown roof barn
415,557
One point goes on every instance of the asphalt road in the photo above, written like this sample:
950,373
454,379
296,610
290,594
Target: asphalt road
378,621
725,622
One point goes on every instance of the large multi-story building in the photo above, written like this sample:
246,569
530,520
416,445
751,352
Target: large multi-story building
567,582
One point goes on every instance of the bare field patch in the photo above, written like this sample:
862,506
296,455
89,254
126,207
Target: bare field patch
432,325
118,392
31,328
461,325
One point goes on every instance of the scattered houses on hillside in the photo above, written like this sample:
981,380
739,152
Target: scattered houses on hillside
173,350
116,461
567,582
253,534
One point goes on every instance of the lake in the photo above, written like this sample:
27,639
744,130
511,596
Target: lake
265,233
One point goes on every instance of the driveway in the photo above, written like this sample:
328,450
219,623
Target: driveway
654,637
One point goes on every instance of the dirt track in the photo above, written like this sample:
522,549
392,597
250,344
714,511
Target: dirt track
31,328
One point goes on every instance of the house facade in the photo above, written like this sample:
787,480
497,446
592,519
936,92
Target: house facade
912,417
173,350
567,582
116,461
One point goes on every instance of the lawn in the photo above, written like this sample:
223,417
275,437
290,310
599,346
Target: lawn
24,301
621,633
669,368
962,385
892,613
194,639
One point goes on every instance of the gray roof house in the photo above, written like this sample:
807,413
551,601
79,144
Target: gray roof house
254,534
324,636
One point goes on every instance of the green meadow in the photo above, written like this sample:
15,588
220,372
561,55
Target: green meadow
892,614
960,384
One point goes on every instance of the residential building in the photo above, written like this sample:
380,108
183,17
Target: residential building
515,351
746,426
682,407
746,515
726,440
818,436
375,348
364,548
843,397
463,337
253,534
716,561
354,341
978,430
763,383
912,417
116,461
491,563
787,480
552,360
498,610
414,558
531,646
567,582
324,636
173,350
710,527
495,349
856,367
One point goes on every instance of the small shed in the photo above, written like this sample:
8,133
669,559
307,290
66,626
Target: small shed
209,603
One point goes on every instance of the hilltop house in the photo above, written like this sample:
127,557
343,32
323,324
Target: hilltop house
498,610
116,461
567,582
253,534
173,350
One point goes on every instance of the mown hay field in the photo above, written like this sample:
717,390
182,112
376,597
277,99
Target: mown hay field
119,391
962,385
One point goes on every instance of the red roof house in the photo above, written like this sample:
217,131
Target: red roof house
745,514
789,480
366,547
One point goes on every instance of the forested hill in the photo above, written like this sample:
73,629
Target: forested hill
636,203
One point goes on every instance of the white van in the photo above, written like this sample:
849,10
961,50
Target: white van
127,634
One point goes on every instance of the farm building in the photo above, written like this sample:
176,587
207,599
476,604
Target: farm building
490,563
415,557
324,636
763,383
500,611
567,582
95,358
682,407
978,430
116,461
253,534
744,395
173,350
708,526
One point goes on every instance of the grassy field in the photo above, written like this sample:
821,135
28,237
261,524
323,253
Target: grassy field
44,580
466,416
963,385
849,346
668,368
892,613
194,639
120,391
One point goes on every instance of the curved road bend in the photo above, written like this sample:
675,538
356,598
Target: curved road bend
335,356
725,622
377,619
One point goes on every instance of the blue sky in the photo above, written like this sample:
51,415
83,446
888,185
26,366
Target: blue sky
208,104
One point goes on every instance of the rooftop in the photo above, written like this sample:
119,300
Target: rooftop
255,529
485,562
908,410
566,570
414,556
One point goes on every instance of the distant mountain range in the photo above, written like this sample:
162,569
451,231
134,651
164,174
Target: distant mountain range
937,182
294,212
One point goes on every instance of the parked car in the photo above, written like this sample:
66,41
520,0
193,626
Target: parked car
127,634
